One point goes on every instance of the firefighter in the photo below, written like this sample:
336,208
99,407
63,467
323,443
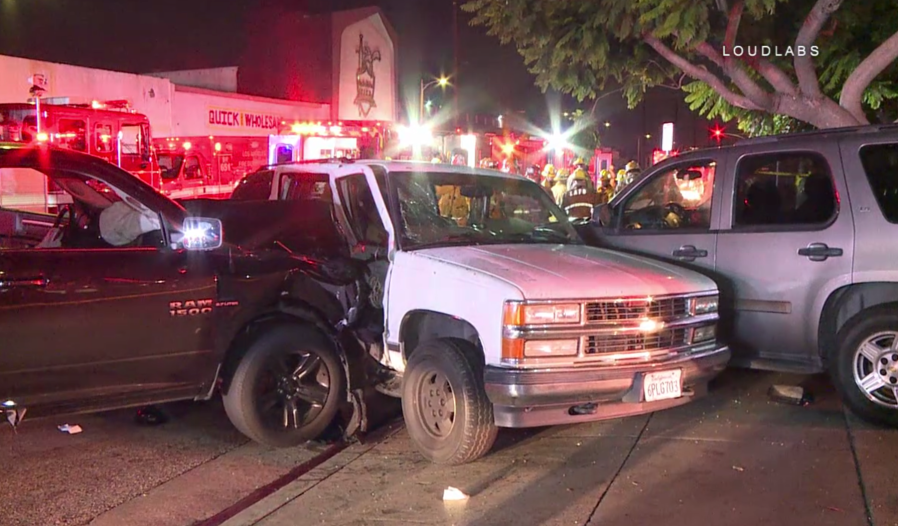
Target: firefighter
605,189
560,187
579,174
579,201
532,173
453,205
548,177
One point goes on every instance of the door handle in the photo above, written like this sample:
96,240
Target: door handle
10,283
819,252
689,253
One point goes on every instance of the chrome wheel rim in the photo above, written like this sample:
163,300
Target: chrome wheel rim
293,391
436,404
876,368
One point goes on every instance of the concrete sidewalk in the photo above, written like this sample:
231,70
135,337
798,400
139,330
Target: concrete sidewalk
731,458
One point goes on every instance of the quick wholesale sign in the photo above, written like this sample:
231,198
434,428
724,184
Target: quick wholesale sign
226,118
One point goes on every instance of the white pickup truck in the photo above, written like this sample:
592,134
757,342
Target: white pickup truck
495,312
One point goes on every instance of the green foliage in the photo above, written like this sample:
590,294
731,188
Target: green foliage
584,47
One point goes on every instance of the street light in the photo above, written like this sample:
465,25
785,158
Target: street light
442,82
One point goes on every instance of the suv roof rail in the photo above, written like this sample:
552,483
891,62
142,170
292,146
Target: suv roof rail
341,160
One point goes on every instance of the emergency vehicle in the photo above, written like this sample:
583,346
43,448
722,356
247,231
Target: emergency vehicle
311,141
207,167
109,130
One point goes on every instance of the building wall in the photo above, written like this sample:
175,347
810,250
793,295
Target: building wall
148,95
198,112
218,79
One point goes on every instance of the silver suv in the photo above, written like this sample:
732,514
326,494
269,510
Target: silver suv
801,234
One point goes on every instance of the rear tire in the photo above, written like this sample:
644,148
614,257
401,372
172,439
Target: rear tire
865,366
287,388
444,404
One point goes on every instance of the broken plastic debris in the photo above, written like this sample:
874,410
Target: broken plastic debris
451,493
738,468
789,394
70,429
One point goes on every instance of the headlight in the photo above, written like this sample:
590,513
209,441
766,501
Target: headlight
517,314
703,334
550,348
705,305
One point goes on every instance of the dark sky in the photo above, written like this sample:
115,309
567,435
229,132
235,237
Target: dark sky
146,35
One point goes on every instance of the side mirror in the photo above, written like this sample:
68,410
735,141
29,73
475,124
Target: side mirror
602,214
199,233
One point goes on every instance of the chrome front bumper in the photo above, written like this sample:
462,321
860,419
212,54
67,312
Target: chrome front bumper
542,397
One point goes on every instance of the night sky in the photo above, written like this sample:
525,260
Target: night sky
157,35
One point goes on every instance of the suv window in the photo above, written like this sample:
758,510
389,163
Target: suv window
789,188
305,187
677,198
361,211
881,166
255,187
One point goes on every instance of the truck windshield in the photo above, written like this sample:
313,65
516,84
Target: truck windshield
457,209
17,125
170,165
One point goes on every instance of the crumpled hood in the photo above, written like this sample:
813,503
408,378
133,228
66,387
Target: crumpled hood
543,271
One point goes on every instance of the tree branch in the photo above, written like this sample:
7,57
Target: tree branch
733,24
776,77
856,83
740,77
808,82
700,73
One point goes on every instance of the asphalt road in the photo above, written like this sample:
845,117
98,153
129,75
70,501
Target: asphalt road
733,457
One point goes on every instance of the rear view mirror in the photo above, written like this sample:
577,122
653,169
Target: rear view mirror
199,233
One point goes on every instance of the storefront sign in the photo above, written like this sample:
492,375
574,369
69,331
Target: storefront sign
226,118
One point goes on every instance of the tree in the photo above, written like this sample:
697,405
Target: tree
829,76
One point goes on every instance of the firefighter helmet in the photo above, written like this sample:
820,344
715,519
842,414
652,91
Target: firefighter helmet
631,166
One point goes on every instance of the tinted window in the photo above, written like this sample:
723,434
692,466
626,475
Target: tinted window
677,198
790,188
305,186
361,210
256,186
881,166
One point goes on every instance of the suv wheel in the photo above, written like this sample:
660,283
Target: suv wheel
446,410
287,388
866,366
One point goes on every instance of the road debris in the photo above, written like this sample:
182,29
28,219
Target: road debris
738,468
70,429
451,493
789,394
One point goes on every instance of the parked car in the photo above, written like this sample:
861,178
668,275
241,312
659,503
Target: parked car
496,313
112,295
797,231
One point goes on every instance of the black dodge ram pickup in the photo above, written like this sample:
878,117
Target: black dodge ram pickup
112,295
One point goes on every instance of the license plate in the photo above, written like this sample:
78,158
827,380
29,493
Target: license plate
663,385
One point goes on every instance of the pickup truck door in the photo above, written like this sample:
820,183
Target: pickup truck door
785,244
672,214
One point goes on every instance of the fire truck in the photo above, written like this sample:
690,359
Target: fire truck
109,130
207,167
309,141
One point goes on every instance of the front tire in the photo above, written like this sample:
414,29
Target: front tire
287,388
444,404
865,366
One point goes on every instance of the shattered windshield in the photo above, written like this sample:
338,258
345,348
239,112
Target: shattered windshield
456,209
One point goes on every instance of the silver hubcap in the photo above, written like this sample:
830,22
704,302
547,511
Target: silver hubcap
436,404
876,368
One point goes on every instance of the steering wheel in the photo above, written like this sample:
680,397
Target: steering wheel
677,210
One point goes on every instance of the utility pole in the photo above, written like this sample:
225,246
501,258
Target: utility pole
455,57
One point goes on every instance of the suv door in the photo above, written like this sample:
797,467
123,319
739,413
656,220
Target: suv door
784,246
672,213
93,326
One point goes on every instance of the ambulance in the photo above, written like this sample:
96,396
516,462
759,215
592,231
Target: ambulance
207,167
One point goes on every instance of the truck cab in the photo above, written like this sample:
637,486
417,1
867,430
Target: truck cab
495,313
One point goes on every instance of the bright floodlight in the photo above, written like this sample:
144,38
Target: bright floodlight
556,141
415,135
443,81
